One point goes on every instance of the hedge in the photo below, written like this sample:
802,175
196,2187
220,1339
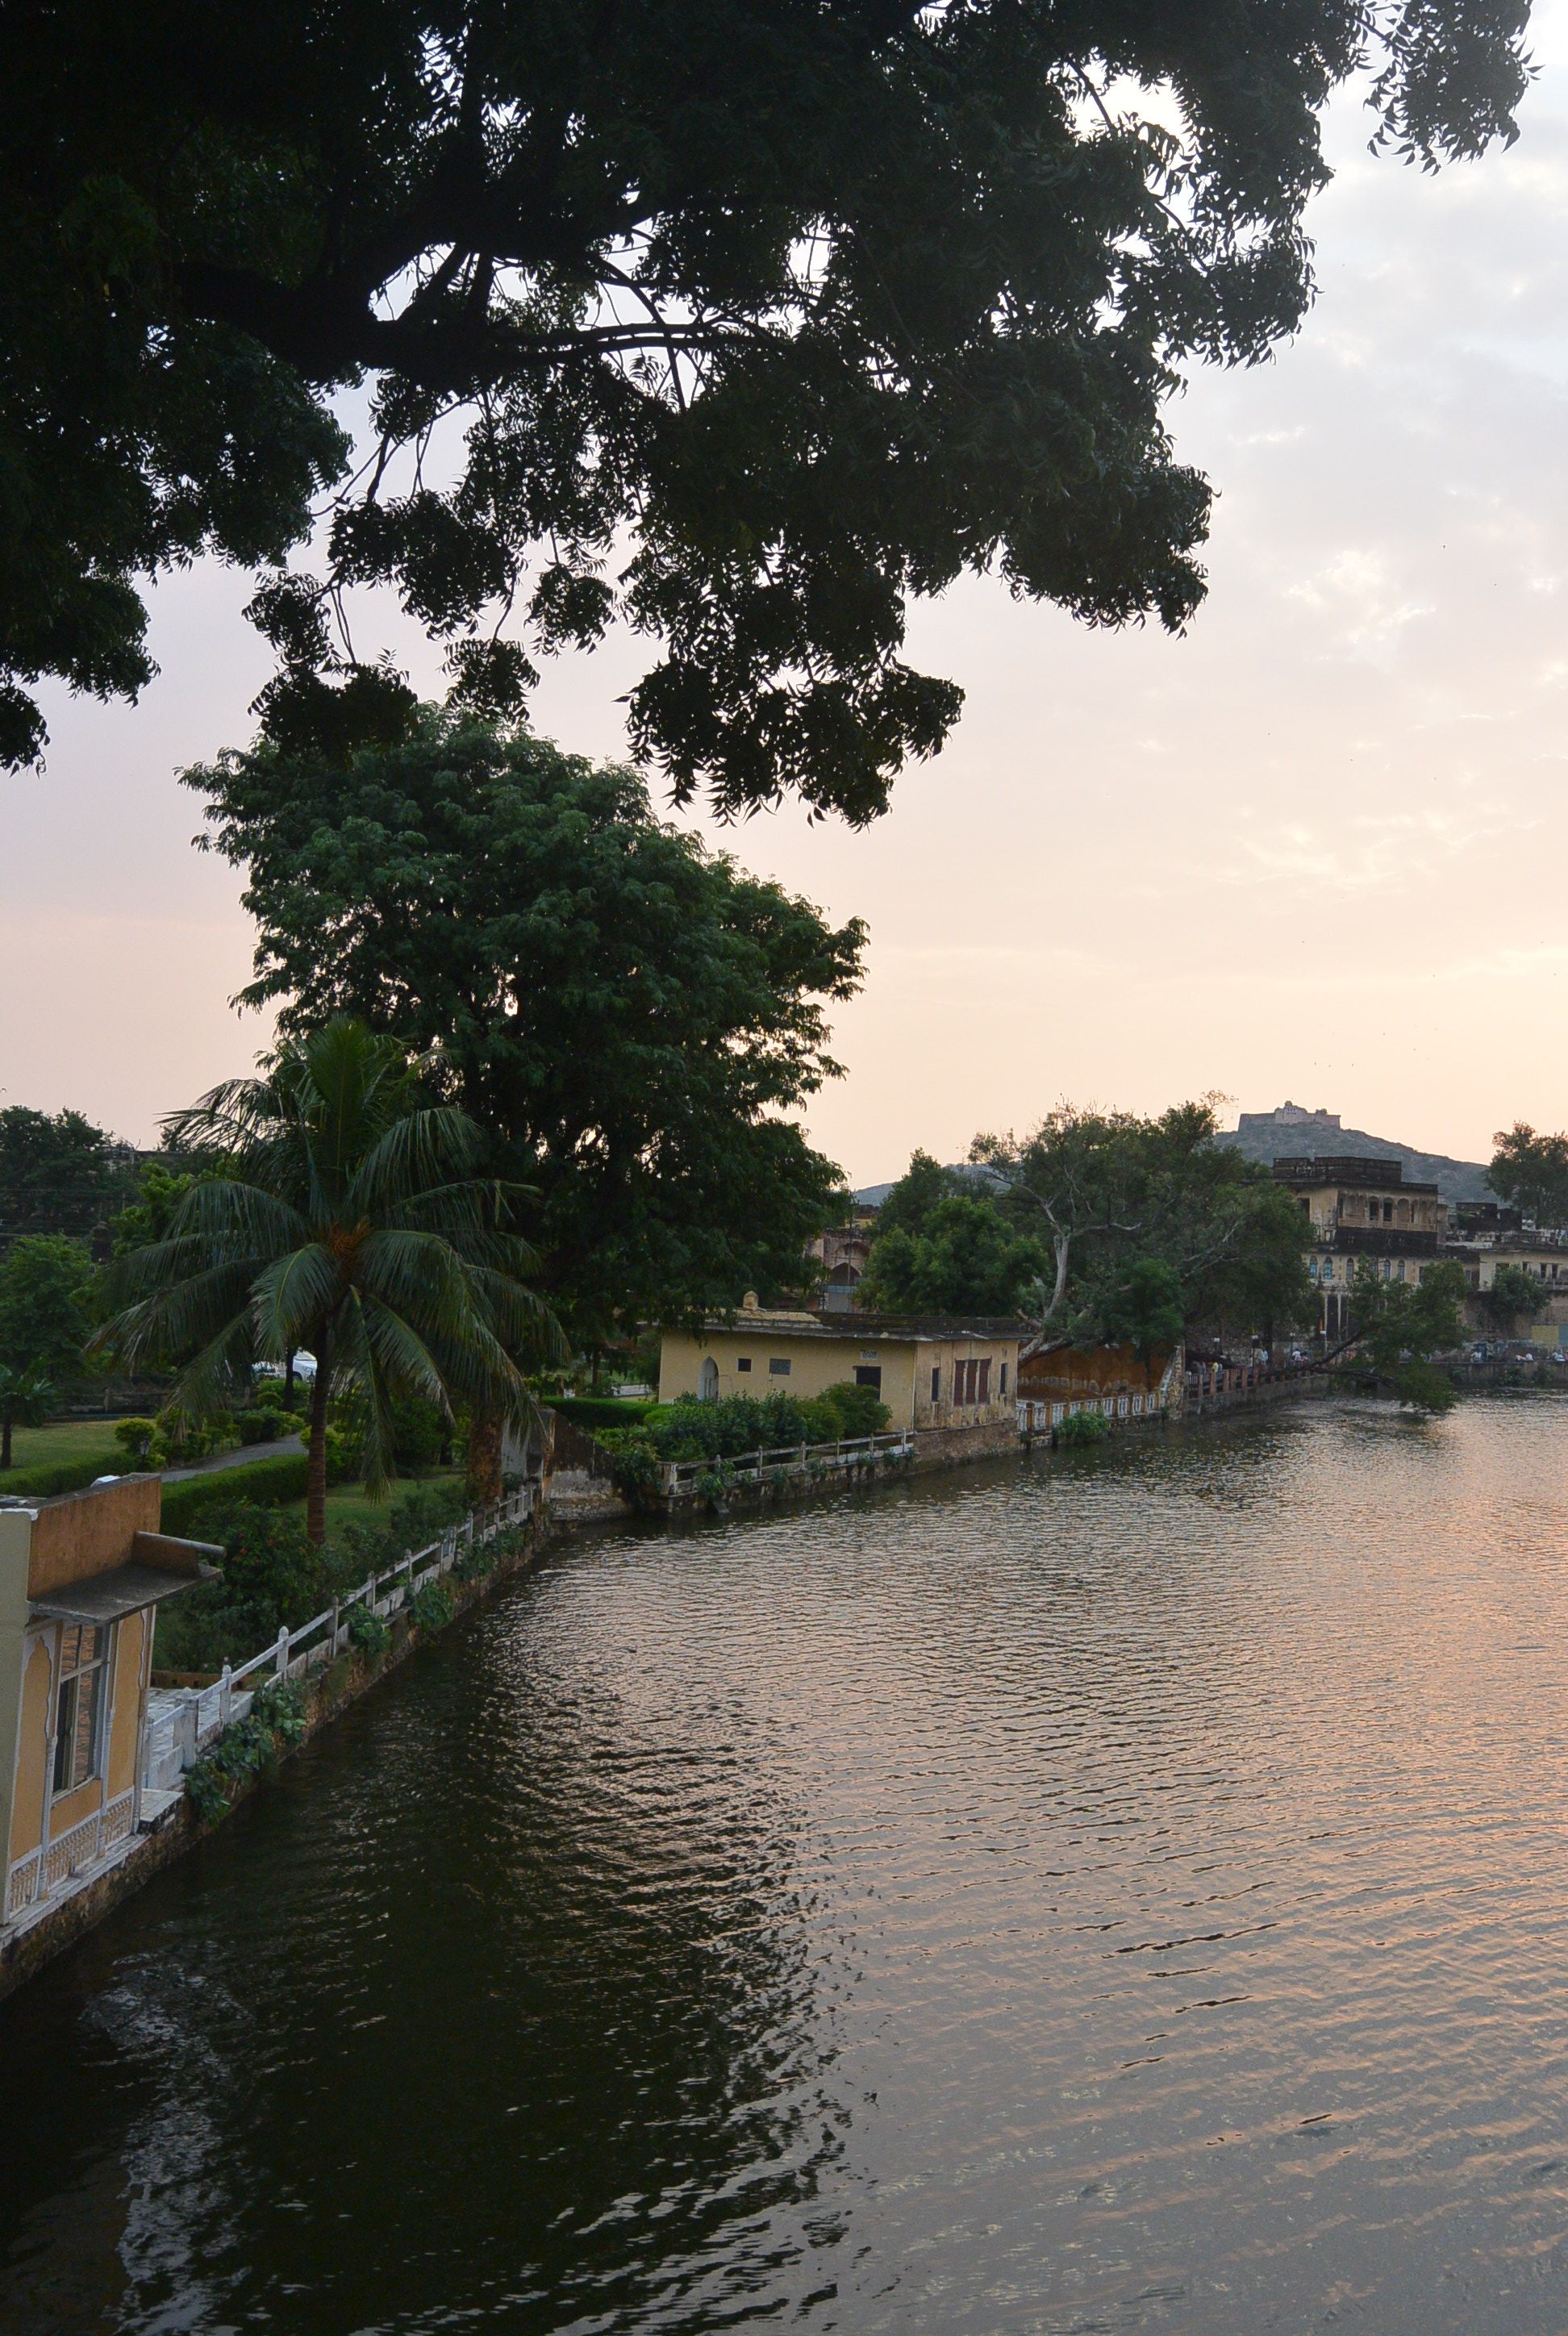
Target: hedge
268,1483
591,1411
59,1476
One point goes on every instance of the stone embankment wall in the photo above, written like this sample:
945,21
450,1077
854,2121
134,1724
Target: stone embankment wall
326,1693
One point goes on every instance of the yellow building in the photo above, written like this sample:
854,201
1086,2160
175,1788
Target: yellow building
943,1378
80,1578
1359,1212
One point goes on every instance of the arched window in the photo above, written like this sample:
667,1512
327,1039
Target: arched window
707,1383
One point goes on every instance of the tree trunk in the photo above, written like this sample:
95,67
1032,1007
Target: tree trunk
315,1465
5,1442
483,1458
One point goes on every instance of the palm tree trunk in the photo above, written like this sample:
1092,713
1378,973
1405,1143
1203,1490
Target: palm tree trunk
315,1465
5,1441
483,1458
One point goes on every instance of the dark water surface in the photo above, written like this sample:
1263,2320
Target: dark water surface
1125,1896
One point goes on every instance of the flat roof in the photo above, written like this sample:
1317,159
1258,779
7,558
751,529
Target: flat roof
850,1326
123,1590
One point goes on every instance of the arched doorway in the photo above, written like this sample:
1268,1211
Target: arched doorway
707,1383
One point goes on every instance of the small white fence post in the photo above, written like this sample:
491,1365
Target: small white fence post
283,1651
226,1699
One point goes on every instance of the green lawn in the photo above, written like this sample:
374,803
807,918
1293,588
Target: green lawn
67,1442
351,1504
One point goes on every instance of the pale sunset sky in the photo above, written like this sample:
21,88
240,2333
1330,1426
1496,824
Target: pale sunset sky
1305,852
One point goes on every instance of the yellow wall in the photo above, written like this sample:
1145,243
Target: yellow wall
125,1712
817,1362
32,1749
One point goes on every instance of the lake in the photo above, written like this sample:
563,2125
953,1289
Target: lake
1125,1893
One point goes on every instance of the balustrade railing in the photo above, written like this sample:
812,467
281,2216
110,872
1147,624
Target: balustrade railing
683,1476
189,1718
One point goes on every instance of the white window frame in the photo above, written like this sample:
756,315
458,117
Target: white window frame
68,1686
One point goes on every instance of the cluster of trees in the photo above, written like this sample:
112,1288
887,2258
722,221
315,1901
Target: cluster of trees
1097,1226
743,325
1529,1172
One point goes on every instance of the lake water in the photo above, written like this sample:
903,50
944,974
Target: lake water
1126,1894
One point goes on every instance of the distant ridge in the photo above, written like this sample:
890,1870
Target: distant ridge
1292,1133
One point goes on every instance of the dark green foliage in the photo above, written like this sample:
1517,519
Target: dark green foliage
925,1183
1143,1308
349,1223
414,1522
850,1410
47,1478
272,1576
1401,1323
147,1218
190,1505
1081,1428
47,1285
739,1424
585,238
1515,1295
1424,1387
57,1174
279,1706
594,1412
1531,1173
430,1608
967,1259
27,1396
1109,1191
368,1634
629,1016
265,1424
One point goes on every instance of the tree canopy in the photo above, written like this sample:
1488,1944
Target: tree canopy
46,1292
1531,1173
58,1171
628,1015
351,1223
965,1257
1114,1195
743,322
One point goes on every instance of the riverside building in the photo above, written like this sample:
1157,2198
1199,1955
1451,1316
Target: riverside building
1361,1211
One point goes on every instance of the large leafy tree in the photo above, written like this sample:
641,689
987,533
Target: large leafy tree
1400,1326
964,1258
743,320
1113,1193
351,1223
1531,1173
48,1291
629,1016
58,1171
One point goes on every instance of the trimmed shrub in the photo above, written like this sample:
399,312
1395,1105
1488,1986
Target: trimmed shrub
266,1424
1083,1427
51,1477
592,1412
143,1442
196,1500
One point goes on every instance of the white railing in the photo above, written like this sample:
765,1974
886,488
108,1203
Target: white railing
681,1477
189,1718
41,1872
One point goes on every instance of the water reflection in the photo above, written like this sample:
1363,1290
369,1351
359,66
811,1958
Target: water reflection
1129,1895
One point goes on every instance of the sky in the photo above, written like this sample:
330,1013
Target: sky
1303,851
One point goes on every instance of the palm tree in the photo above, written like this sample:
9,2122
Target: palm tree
349,1223
26,1400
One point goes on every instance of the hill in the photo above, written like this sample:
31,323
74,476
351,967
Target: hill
1292,1133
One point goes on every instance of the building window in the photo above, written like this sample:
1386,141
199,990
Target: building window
936,1383
779,1366
984,1386
1002,1379
869,1375
743,1362
79,1713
